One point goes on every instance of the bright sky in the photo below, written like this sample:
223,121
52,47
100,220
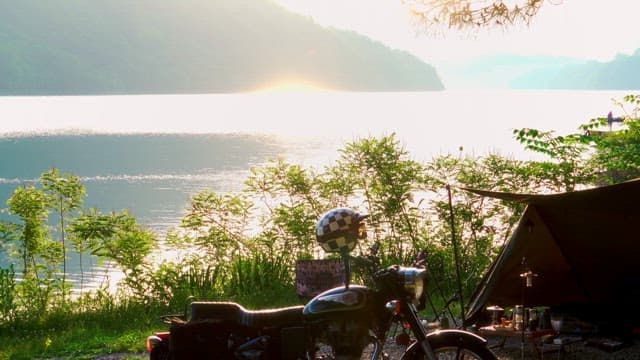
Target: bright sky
589,29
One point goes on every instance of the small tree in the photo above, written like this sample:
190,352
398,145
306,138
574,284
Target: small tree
66,194
215,225
37,250
380,175
123,241
290,197
86,233
30,205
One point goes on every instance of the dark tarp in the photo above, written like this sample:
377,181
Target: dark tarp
584,246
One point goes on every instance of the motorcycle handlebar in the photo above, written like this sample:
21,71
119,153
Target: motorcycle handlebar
371,264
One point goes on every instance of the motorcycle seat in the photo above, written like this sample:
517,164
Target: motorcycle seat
233,313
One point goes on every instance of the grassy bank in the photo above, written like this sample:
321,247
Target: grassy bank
80,334
82,331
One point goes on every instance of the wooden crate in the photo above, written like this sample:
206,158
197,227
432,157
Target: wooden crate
316,276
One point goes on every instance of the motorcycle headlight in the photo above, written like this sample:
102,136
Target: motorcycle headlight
413,280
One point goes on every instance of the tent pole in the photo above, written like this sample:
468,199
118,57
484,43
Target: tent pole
523,311
524,308
456,255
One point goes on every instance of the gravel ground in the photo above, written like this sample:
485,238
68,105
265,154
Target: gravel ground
512,350
576,350
122,356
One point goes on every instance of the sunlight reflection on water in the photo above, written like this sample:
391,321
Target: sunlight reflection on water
427,122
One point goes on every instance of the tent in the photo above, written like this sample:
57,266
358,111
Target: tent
584,247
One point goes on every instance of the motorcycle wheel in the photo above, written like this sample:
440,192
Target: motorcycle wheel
452,346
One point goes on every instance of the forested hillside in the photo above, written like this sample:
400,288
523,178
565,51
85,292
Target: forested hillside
187,46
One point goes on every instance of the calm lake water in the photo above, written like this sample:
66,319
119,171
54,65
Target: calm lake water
149,153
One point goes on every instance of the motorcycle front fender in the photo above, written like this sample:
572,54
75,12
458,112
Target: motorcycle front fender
447,338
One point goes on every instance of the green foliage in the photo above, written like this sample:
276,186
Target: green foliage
40,254
616,154
32,241
480,225
7,294
566,169
215,224
86,232
65,190
30,205
8,233
66,194
119,238
385,179
592,156
289,196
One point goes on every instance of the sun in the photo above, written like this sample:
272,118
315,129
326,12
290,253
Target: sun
292,86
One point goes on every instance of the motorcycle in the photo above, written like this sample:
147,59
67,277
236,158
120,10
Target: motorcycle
339,323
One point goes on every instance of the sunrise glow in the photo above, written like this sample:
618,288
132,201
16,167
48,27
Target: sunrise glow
290,86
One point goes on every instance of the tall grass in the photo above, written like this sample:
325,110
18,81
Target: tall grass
268,275
173,284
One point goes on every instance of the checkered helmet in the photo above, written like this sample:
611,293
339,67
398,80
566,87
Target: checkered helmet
339,229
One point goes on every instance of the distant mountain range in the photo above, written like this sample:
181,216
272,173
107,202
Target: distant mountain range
59,47
622,73
546,72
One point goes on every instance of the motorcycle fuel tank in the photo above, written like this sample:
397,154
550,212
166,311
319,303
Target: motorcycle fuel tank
338,300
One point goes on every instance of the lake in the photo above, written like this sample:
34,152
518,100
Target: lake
149,153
